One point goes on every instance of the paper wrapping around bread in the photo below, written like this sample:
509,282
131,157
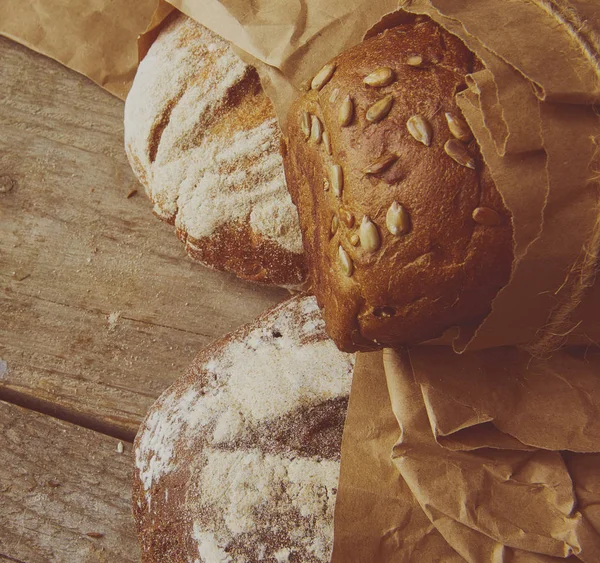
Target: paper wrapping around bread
478,472
97,38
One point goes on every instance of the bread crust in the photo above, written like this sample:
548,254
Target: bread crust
254,408
445,268
202,137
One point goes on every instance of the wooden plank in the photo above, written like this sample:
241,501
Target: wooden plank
74,249
58,483
9,560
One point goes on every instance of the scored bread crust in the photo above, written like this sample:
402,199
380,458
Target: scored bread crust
202,137
239,459
444,268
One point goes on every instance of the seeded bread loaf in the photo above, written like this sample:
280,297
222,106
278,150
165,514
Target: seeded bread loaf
238,461
404,230
202,137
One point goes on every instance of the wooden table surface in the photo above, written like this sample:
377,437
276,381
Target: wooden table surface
100,310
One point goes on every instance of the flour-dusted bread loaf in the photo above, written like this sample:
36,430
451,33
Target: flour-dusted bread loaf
238,461
202,137
404,230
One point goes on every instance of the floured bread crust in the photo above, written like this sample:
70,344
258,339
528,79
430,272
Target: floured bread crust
405,232
203,139
238,461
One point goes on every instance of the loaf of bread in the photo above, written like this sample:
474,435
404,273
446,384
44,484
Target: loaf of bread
238,461
404,230
202,137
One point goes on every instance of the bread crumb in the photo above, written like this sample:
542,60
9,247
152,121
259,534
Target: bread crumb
3,369
113,318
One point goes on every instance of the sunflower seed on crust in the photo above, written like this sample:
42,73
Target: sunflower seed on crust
305,124
335,223
345,261
397,219
323,76
381,164
414,60
370,240
458,127
459,153
346,112
336,177
380,109
383,76
346,217
316,129
420,129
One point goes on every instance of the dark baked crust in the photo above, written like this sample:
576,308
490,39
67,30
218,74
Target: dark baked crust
236,248
193,119
448,268
173,450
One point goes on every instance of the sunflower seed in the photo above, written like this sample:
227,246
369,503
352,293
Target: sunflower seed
397,219
383,76
335,223
305,123
420,129
486,216
380,109
345,261
459,153
327,142
458,127
334,94
323,76
354,240
346,217
336,177
316,129
414,60
346,112
369,235
381,164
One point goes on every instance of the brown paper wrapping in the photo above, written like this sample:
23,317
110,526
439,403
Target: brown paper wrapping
97,38
377,500
509,498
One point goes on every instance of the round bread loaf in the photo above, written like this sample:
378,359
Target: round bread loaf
238,461
404,230
202,137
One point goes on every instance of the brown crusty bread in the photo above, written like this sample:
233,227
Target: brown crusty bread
202,137
451,250
239,459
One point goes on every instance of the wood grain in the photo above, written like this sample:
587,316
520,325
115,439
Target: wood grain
74,249
58,483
